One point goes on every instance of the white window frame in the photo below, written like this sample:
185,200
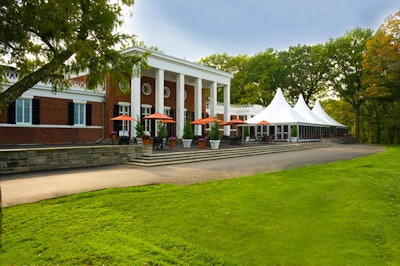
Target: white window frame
124,110
79,113
22,111
146,110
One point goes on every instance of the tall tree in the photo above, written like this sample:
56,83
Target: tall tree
345,68
381,77
381,61
305,68
232,64
48,40
263,75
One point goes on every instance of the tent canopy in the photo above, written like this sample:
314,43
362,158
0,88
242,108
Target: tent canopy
278,112
317,110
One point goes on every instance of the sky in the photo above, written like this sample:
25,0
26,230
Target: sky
192,29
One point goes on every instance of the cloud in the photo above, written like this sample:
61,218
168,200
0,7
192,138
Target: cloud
193,29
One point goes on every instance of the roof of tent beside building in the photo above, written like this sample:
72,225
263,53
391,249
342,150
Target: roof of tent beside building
280,112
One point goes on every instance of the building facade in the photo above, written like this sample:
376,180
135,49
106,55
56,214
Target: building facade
172,86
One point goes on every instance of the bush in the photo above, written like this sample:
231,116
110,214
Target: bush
214,132
187,130
162,131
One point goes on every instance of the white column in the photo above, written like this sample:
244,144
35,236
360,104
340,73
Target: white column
159,90
227,104
180,105
136,89
213,99
198,87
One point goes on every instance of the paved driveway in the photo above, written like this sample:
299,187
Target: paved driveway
32,187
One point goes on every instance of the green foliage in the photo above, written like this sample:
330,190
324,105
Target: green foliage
293,131
305,68
343,213
139,129
214,131
187,130
162,131
51,40
246,131
345,68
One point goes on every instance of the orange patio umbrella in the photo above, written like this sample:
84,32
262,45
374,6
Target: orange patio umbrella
208,120
158,116
263,122
168,121
123,118
236,122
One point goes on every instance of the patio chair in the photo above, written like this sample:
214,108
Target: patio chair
158,143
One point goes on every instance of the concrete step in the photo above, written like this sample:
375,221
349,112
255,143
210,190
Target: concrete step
158,159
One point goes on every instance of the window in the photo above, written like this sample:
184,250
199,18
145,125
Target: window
146,110
167,92
23,111
79,114
124,110
146,89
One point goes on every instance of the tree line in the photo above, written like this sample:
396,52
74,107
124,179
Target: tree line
357,74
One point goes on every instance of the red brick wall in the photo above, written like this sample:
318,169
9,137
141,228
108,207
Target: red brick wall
53,114
39,135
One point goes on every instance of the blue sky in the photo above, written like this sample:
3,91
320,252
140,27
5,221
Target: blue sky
192,29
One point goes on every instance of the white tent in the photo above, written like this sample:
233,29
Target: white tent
299,122
278,112
318,111
302,109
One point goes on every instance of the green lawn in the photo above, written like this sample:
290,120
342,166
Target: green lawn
344,213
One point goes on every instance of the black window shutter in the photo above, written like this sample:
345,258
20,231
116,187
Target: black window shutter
116,110
117,124
11,114
88,114
71,113
35,111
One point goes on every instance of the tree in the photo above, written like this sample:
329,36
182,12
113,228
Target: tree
263,75
381,77
381,61
232,64
305,67
345,69
48,41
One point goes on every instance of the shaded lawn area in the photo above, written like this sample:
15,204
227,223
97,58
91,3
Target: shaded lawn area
343,213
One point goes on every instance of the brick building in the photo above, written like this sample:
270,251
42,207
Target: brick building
172,86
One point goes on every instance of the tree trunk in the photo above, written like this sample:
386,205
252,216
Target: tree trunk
15,91
1,220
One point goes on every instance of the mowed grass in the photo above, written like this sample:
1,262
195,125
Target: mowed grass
344,213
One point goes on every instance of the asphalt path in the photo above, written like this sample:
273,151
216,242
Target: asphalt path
32,187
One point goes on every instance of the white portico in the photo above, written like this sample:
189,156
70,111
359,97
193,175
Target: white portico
184,75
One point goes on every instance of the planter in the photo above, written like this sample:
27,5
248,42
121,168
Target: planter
202,144
186,143
172,143
139,141
147,142
247,138
293,139
215,144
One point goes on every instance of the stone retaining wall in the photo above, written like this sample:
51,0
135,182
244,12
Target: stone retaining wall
35,159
